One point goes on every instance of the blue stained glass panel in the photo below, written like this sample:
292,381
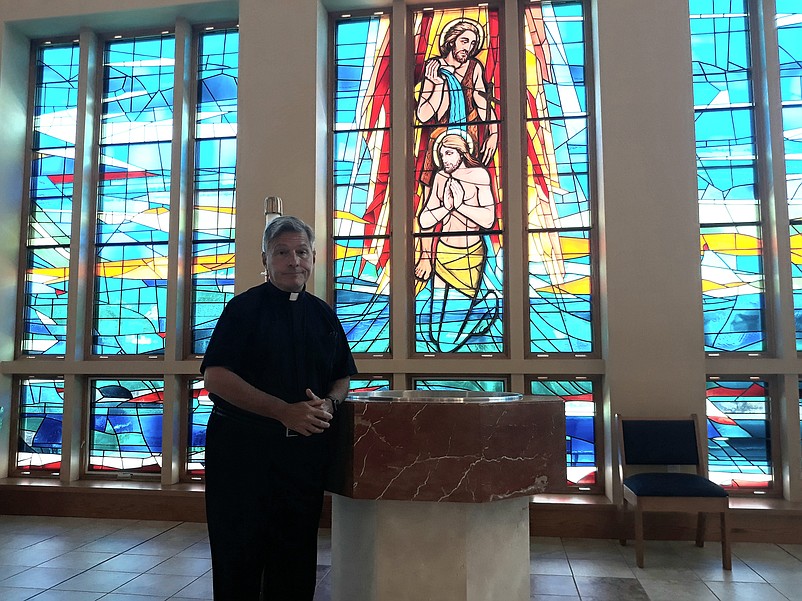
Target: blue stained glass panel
729,207
739,441
720,47
130,299
133,214
580,426
733,288
560,315
45,290
200,408
126,426
361,181
555,45
362,306
479,385
725,151
213,286
792,132
41,409
213,249
362,73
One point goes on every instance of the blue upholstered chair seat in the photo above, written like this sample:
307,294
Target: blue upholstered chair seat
673,484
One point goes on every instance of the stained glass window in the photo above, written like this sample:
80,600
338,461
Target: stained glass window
580,427
50,200
370,385
133,204
126,426
41,408
200,408
789,38
729,208
479,385
215,179
457,194
738,434
557,180
361,181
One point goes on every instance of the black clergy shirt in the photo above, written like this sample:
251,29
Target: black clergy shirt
281,343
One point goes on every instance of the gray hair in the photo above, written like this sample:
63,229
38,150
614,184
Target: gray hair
283,224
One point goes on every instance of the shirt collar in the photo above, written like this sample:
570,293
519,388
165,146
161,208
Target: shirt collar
287,296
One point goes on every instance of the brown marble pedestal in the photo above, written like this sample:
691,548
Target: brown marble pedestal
432,492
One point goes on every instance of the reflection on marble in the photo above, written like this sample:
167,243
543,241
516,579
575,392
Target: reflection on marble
458,452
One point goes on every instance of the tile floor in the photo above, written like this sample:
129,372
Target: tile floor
77,559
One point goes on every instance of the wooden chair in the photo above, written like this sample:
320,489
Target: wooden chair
665,442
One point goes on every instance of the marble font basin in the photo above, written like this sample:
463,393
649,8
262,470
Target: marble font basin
448,447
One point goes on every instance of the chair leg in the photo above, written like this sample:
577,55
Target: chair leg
701,520
639,536
622,524
726,553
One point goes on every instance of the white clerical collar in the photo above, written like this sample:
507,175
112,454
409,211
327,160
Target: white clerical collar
294,296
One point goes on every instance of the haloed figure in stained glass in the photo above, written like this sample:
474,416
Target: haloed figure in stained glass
460,204
461,201
454,94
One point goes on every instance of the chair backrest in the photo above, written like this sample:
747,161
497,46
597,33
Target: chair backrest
659,441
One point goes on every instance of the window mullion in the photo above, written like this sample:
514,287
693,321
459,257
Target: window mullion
401,343
514,215
175,343
81,255
81,260
771,179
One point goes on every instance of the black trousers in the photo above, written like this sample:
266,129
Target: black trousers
263,521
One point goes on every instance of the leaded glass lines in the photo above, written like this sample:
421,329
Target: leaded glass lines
139,213
126,425
133,203
457,200
215,182
789,38
41,407
558,185
361,181
738,430
50,200
729,204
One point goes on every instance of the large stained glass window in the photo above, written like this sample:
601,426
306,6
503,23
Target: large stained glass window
133,198
41,408
580,427
738,433
361,181
558,190
789,38
729,207
50,199
457,195
215,181
126,426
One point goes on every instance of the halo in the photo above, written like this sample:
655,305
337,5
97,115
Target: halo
438,142
479,43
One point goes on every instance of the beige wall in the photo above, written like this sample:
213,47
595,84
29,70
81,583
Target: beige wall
651,313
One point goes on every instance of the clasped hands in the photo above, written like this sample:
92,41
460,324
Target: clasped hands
308,417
